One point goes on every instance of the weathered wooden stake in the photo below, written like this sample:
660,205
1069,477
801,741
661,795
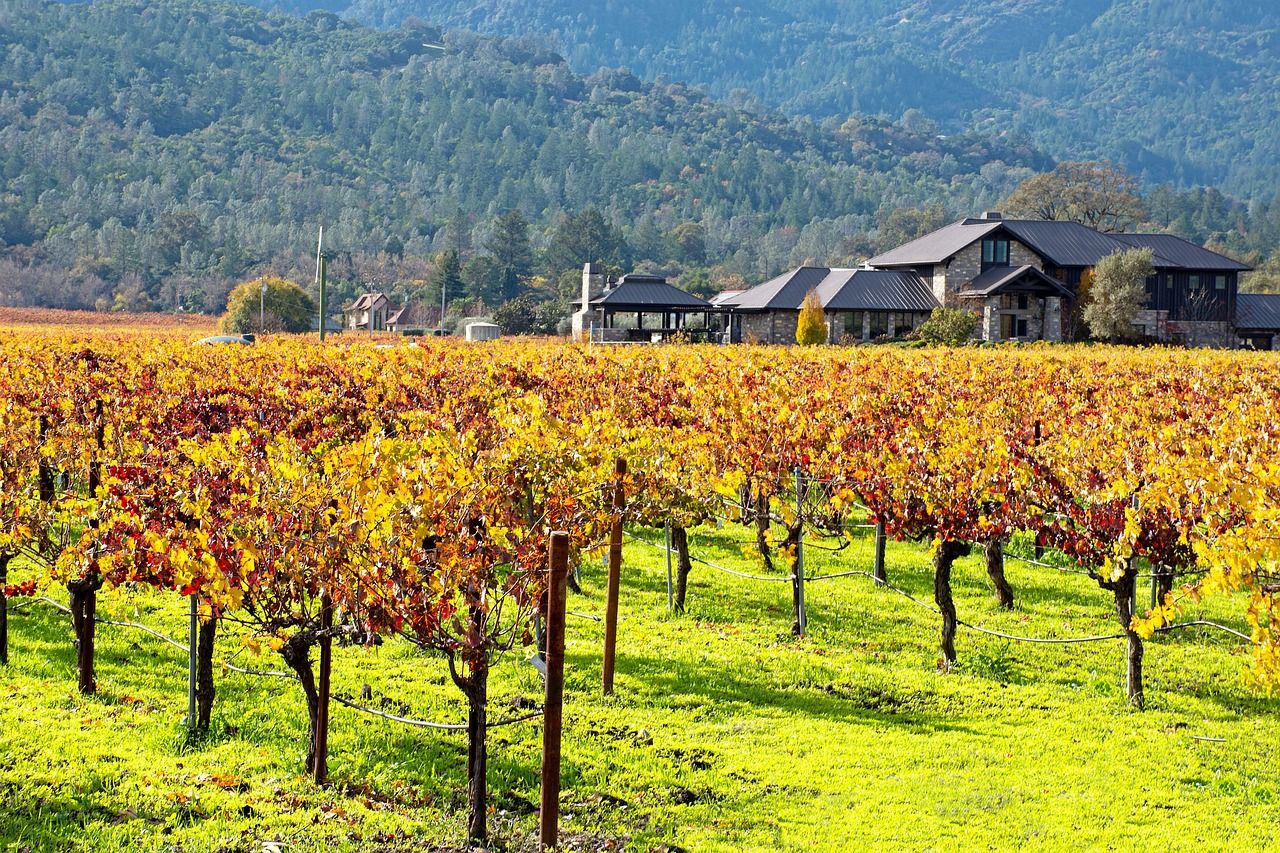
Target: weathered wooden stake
553,705
615,576
877,570
193,640
666,530
802,615
322,713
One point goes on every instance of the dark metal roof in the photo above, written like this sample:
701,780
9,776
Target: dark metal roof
782,293
1060,243
1001,278
1174,252
1258,311
648,292
875,290
1064,244
937,246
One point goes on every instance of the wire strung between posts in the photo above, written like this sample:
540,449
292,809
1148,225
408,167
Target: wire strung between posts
263,672
697,559
427,724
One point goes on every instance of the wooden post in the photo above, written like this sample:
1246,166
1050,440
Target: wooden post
193,637
553,705
877,570
322,712
615,576
802,615
666,530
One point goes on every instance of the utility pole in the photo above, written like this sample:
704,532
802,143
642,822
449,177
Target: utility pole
262,312
321,276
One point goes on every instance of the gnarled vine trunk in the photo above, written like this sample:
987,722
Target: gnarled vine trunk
84,612
993,550
684,565
1124,591
477,691
761,518
943,559
297,656
204,672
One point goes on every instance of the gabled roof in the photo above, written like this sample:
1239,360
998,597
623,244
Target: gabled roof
1061,243
647,291
1173,252
1022,278
875,290
1258,311
367,300
781,293
937,246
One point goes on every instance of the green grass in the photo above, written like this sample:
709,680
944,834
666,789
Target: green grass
725,732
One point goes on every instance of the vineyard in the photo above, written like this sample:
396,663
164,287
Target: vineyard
371,525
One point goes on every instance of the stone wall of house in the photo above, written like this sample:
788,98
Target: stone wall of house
1043,316
1201,333
1052,319
967,265
769,328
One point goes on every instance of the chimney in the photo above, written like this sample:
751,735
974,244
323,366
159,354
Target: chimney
592,283
993,215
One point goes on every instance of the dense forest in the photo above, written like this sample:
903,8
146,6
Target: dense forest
153,154
1168,88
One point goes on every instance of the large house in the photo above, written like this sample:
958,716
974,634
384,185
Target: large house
1022,277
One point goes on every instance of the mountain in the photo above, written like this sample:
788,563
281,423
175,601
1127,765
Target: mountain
151,153
1175,90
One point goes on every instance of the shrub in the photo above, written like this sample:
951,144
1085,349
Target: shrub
811,326
948,326
285,307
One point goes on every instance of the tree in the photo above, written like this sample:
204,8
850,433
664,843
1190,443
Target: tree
482,278
1118,292
691,240
948,327
509,245
583,239
1098,194
518,316
446,279
811,326
285,307
904,224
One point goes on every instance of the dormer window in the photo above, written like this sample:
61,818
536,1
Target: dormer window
995,253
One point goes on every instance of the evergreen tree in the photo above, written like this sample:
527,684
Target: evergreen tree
509,245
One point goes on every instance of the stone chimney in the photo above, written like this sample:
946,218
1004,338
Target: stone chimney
593,285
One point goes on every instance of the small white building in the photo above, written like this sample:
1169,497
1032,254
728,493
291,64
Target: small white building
483,331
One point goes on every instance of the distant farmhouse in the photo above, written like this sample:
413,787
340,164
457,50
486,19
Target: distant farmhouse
371,312
1021,277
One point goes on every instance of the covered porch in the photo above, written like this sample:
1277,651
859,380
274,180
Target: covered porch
646,309
1017,304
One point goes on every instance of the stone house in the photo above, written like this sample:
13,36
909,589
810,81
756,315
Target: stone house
1023,276
859,304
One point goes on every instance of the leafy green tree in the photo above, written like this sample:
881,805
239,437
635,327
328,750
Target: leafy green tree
811,326
509,245
948,327
584,238
285,307
691,240
1118,292
518,316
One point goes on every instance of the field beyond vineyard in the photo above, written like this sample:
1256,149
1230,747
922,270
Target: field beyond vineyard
1071,643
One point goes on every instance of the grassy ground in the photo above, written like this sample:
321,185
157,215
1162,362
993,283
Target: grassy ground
725,733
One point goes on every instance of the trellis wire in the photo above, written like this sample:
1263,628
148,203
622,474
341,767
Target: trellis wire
269,673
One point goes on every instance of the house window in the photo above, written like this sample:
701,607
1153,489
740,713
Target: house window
879,324
903,323
1193,282
853,325
995,253
1022,302
1219,282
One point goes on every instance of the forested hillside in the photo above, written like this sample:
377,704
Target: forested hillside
1172,89
160,150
